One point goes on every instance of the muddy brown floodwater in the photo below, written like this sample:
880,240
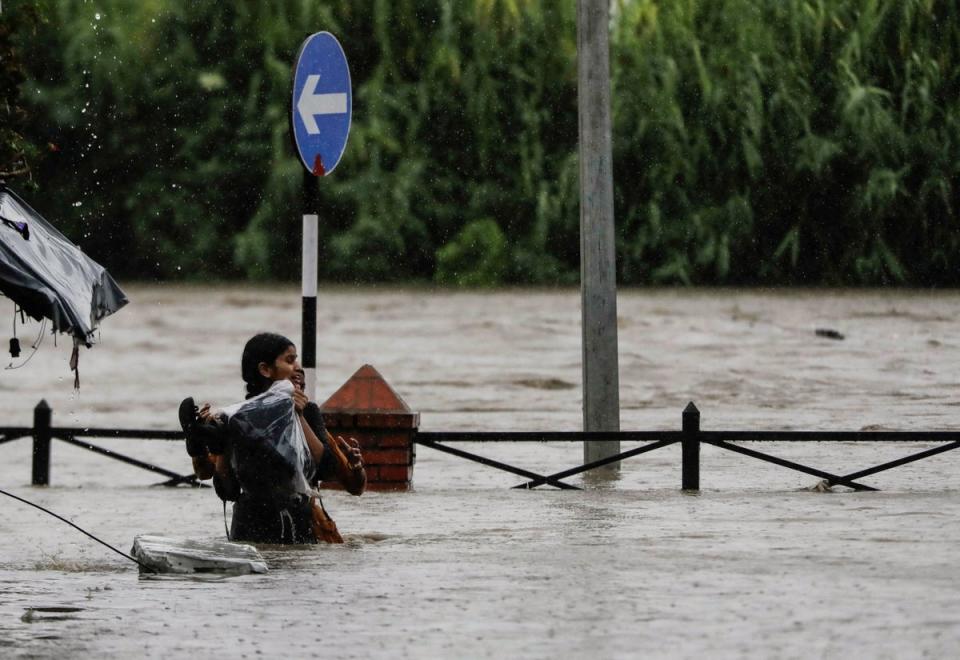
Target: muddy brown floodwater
755,565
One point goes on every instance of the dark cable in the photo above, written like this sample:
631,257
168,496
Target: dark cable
122,554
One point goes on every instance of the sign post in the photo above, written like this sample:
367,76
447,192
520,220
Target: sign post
321,112
598,275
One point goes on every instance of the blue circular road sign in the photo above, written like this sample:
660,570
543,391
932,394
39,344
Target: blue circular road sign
322,103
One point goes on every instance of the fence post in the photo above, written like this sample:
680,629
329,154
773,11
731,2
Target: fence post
42,416
691,448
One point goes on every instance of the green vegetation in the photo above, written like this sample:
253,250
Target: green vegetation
755,141
16,152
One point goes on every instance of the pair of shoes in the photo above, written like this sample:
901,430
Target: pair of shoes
203,436
196,446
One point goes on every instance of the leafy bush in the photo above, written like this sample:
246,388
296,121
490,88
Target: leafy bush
756,141
16,152
477,256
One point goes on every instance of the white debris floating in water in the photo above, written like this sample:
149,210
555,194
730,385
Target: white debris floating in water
169,555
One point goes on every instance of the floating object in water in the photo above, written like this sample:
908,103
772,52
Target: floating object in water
829,334
169,555
40,614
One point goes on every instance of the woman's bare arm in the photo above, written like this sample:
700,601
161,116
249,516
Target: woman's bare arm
350,472
300,401
313,442
347,461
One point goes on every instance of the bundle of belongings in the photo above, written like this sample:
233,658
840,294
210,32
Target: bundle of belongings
272,465
269,449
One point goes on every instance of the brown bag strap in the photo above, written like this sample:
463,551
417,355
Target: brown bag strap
323,526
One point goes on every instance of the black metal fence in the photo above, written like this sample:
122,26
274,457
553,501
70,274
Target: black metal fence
43,433
690,436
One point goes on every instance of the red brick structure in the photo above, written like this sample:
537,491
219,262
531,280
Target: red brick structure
368,409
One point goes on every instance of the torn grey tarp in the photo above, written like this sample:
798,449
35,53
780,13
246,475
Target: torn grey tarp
48,276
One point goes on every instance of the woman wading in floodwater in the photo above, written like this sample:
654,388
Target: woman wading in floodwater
266,510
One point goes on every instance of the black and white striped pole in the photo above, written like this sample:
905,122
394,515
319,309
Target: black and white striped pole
320,114
308,334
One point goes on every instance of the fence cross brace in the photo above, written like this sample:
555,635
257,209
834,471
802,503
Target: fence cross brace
183,479
830,478
174,478
14,434
483,460
896,463
595,464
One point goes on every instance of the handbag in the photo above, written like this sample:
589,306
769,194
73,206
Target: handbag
323,526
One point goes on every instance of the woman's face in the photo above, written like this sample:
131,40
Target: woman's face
283,368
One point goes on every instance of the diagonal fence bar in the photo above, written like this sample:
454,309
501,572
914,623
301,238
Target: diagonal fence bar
898,462
183,479
178,478
782,462
595,464
15,433
483,460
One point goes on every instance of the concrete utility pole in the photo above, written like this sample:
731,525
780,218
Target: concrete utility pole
598,278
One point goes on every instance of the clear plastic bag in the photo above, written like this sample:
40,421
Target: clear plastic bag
269,451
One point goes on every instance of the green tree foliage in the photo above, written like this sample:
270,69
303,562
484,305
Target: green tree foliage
16,151
477,256
755,141
790,141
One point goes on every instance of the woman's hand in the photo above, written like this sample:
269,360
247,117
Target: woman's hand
204,414
351,448
300,401
348,463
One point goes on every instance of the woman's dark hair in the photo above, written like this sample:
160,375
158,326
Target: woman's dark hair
264,347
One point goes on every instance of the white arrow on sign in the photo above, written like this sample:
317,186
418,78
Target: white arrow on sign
310,104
